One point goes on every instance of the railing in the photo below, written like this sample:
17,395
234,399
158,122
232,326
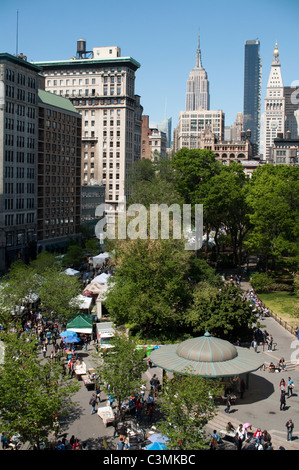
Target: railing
283,323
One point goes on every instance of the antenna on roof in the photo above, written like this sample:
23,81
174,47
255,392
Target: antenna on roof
17,34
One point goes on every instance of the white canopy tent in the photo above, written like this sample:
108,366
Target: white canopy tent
85,303
72,272
101,279
99,259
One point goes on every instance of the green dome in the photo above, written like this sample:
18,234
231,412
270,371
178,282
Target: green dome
207,349
206,356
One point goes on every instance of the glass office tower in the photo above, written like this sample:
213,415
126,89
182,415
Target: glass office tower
252,92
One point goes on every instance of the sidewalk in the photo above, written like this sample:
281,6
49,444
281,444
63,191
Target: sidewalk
261,403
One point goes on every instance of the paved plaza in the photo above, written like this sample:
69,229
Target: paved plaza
260,405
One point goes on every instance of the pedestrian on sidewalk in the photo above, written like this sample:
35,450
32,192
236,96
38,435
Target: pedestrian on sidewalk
241,435
290,386
92,402
282,400
228,404
115,424
290,427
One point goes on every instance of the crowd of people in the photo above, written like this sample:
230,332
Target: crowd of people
258,306
259,440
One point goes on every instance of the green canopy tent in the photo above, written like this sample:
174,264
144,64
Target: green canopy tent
81,324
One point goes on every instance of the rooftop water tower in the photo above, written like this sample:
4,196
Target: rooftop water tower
82,53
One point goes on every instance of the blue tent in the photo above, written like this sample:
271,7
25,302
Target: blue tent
156,446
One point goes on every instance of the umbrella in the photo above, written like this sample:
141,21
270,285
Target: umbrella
72,339
68,333
158,438
156,446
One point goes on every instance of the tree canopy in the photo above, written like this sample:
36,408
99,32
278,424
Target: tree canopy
31,391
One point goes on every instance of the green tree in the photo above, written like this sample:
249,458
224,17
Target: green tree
18,286
154,183
150,286
193,170
273,196
74,255
225,206
221,311
31,391
187,404
43,261
58,293
121,368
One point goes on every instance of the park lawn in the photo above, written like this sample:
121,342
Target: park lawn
282,304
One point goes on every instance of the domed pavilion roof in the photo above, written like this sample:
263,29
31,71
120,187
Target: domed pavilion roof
206,356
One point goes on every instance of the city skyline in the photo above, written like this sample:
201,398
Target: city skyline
163,44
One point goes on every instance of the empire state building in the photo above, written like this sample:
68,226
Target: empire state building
198,95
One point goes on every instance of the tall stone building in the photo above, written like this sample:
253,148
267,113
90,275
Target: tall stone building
40,164
191,124
198,93
101,86
58,171
291,94
274,114
153,141
252,92
19,82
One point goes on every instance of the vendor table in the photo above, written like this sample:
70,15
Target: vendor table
88,381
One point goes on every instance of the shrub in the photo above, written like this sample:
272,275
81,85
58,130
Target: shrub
262,282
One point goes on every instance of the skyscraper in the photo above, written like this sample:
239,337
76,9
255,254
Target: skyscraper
101,86
252,91
198,94
274,115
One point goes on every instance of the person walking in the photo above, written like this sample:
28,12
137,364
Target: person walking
241,435
115,425
92,402
282,400
270,343
290,386
290,428
228,404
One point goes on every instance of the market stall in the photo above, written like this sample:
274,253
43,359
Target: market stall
106,413
81,324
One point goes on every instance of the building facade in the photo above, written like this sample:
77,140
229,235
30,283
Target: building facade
154,142
291,94
19,83
285,150
198,88
252,92
93,195
274,114
101,85
58,172
166,127
191,124
227,152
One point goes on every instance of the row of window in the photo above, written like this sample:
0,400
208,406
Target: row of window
19,141
19,188
19,172
19,219
21,78
20,125
19,203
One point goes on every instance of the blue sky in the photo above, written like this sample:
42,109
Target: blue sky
162,37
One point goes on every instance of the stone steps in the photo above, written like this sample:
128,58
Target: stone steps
220,421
